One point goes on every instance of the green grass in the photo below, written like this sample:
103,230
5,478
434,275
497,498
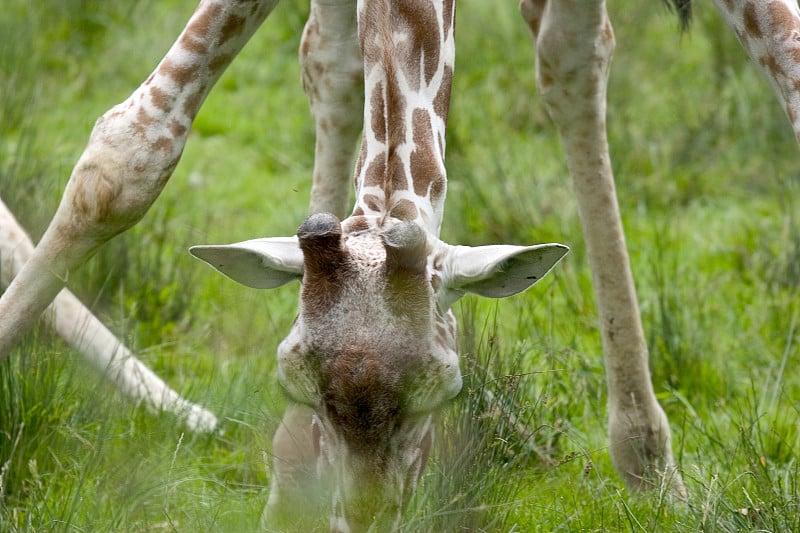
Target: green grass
708,177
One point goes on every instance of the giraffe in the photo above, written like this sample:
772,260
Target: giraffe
116,180
372,355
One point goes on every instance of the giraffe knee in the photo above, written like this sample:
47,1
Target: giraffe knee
332,69
573,61
118,176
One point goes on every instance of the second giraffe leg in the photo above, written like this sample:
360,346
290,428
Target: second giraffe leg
574,45
333,78
297,499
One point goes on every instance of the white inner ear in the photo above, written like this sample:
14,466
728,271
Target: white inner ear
500,270
258,263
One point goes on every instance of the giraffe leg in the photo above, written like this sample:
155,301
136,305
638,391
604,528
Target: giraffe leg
574,43
295,493
333,78
132,151
770,33
84,332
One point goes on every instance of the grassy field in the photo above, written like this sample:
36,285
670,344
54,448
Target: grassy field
708,175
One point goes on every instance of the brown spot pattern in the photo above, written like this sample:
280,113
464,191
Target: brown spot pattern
356,223
376,172
310,35
532,13
438,188
395,112
404,210
751,21
441,102
163,144
772,65
233,27
377,111
193,45
143,118
781,20
424,161
448,13
182,75
418,18
372,202
199,28
176,128
192,105
95,193
161,99
196,36
220,63
397,179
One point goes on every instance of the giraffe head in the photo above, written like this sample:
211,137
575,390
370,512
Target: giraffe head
373,349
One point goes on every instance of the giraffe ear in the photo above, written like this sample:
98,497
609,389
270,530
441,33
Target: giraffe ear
258,263
498,271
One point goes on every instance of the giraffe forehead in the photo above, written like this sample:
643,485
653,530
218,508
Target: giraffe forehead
366,250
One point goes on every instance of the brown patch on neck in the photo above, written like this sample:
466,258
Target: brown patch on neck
161,99
404,209
377,112
395,127
181,74
781,20
418,18
197,34
426,168
441,103
449,15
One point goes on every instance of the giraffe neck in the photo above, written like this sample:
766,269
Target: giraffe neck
409,52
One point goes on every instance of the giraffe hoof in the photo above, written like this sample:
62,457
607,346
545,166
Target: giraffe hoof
199,420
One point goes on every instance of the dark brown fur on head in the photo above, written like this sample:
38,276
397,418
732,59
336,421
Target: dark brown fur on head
362,397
